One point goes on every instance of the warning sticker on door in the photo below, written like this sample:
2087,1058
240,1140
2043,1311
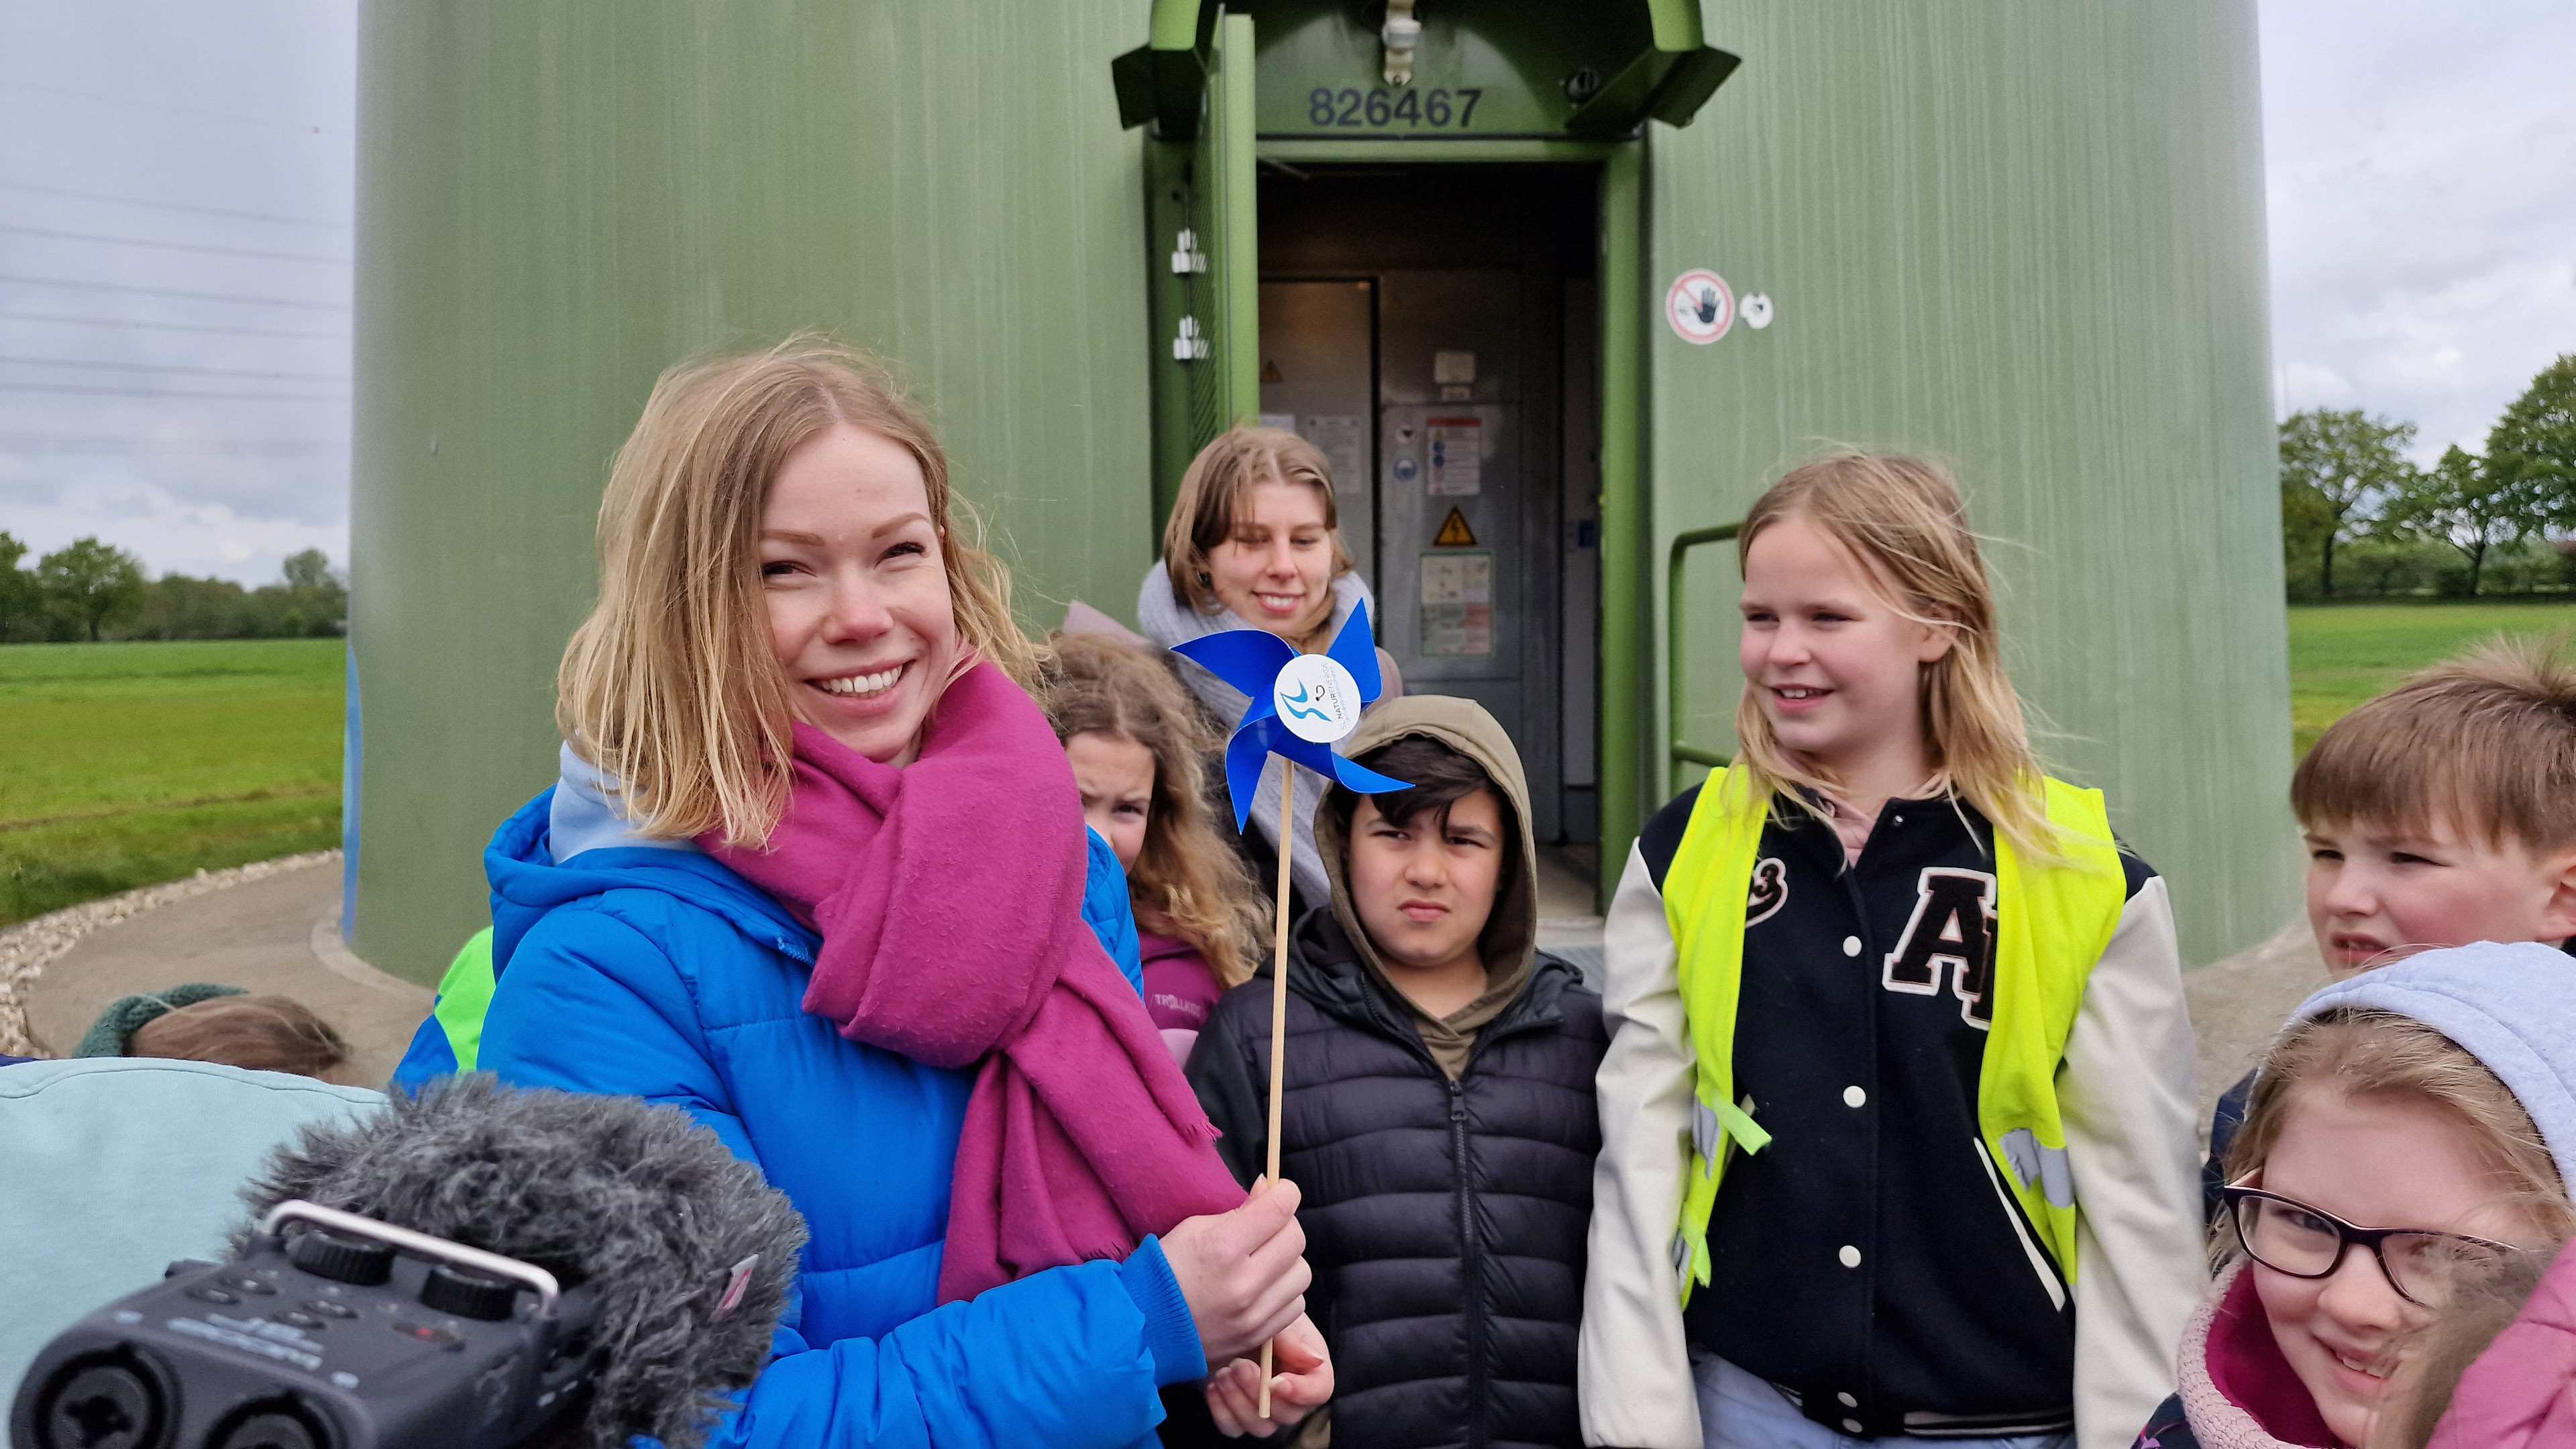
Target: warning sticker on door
1343,440
1457,605
1457,457
1454,532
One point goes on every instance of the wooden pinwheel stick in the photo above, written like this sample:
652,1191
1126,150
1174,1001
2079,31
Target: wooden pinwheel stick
1279,1000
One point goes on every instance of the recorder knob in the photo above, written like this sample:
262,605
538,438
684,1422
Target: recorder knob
343,1260
467,1295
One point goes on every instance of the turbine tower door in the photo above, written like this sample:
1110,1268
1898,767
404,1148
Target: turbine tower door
1428,329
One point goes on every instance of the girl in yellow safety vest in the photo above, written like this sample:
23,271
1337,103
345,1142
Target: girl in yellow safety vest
1897,1116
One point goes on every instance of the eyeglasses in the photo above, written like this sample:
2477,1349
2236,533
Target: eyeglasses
2426,1268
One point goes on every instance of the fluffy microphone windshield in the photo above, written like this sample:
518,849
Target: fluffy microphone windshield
641,1202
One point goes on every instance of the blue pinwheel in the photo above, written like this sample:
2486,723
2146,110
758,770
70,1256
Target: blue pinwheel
1301,704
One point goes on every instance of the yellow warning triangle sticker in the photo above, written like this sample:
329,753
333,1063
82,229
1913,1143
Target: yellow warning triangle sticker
1454,533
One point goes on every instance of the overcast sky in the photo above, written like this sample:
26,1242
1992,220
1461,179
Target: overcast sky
175,193
2421,161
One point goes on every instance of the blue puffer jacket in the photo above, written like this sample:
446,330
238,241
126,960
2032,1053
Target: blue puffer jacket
646,970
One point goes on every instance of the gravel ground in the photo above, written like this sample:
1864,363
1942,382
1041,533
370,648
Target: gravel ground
2240,1001
25,948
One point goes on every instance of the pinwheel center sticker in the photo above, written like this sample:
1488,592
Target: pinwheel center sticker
1317,698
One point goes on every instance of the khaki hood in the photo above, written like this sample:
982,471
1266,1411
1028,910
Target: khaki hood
1510,940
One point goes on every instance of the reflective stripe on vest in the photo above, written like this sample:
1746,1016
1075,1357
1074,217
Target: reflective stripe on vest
2052,923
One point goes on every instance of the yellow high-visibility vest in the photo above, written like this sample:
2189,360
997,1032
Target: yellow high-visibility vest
2052,923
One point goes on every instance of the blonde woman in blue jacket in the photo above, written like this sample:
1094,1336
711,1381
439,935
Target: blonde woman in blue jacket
780,574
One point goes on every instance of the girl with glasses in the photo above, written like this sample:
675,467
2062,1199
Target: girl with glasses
2409,1139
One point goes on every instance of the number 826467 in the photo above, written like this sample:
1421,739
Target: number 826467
1378,109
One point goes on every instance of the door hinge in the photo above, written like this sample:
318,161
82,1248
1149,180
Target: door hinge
1186,256
1189,346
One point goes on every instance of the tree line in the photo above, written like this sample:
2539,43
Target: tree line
92,590
2349,494
2466,525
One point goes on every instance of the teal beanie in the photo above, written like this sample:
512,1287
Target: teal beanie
127,1014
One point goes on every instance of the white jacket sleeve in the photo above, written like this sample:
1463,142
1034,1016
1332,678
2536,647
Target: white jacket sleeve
2128,1094
1633,1371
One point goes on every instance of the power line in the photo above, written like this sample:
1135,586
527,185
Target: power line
140,392
264,446
170,246
170,326
162,106
167,292
69,439
173,205
156,367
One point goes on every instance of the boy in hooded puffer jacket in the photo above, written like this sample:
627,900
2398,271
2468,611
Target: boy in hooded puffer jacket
1438,1111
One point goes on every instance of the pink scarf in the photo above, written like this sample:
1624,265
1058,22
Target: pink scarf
949,898
2237,1389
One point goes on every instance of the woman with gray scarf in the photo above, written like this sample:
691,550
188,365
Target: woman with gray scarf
1254,543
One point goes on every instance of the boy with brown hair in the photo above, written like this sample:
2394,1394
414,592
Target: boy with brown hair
2440,813
1438,1109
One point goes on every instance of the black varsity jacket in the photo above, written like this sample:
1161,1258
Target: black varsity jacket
1868,1262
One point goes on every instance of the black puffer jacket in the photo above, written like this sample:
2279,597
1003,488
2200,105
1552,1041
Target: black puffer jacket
1444,1220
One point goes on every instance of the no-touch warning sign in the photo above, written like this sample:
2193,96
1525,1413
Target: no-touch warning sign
1699,306
1454,532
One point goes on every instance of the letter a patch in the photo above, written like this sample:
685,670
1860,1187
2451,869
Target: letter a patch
1952,933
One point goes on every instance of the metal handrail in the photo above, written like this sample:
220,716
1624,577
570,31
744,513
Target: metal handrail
1680,752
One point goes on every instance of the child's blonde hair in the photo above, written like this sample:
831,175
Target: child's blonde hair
2380,1055
1212,498
671,684
1904,520
1187,876
2486,741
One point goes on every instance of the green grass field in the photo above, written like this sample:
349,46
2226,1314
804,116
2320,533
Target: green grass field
2342,654
122,765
